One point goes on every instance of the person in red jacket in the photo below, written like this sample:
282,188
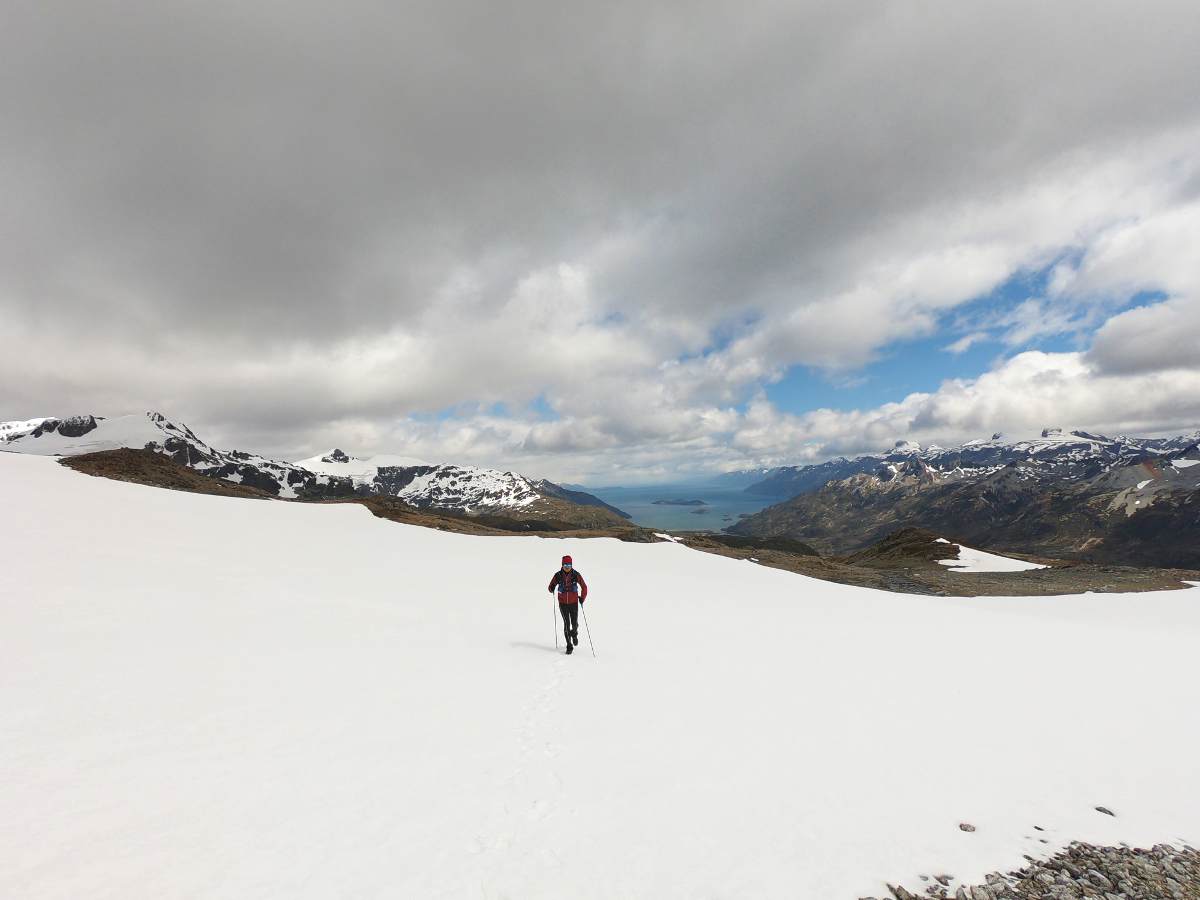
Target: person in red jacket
572,591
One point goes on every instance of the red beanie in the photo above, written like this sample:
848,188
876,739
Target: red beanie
567,559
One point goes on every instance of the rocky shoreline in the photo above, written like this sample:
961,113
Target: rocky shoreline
1162,872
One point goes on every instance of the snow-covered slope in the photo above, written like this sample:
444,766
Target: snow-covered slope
316,705
10,431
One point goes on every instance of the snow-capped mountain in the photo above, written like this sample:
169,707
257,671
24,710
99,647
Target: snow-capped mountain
76,435
1073,495
1056,454
467,489
445,486
422,485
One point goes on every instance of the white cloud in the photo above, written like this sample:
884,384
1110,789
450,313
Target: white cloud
1031,391
966,342
1022,395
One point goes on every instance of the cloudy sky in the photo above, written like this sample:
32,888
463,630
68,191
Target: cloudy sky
602,242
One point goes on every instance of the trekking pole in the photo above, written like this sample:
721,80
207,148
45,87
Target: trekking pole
554,616
589,631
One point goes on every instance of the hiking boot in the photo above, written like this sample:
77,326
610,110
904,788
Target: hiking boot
569,647
575,637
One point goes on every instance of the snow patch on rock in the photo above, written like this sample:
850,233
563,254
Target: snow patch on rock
972,560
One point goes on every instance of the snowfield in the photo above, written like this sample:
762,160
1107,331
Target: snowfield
209,697
972,560
10,431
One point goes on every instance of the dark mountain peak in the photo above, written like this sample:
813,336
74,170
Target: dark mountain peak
336,456
71,426
1089,436
1060,434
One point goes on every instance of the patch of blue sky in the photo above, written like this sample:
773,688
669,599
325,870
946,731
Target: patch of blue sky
612,318
435,415
920,366
538,408
911,367
724,334
541,408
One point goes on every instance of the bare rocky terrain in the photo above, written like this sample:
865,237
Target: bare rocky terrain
151,468
1161,872
905,561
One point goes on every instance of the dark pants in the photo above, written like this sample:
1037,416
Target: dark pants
570,614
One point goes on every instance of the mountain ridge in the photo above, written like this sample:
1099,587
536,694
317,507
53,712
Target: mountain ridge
337,475
1069,451
1074,496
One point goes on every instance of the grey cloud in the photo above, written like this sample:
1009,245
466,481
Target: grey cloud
1150,339
228,199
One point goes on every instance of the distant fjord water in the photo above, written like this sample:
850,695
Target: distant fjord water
721,505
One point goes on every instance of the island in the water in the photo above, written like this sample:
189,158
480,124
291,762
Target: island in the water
679,503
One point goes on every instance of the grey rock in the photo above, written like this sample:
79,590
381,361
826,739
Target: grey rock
1099,880
1084,870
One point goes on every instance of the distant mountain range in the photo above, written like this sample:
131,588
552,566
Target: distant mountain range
443,487
1067,453
1067,494
744,478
